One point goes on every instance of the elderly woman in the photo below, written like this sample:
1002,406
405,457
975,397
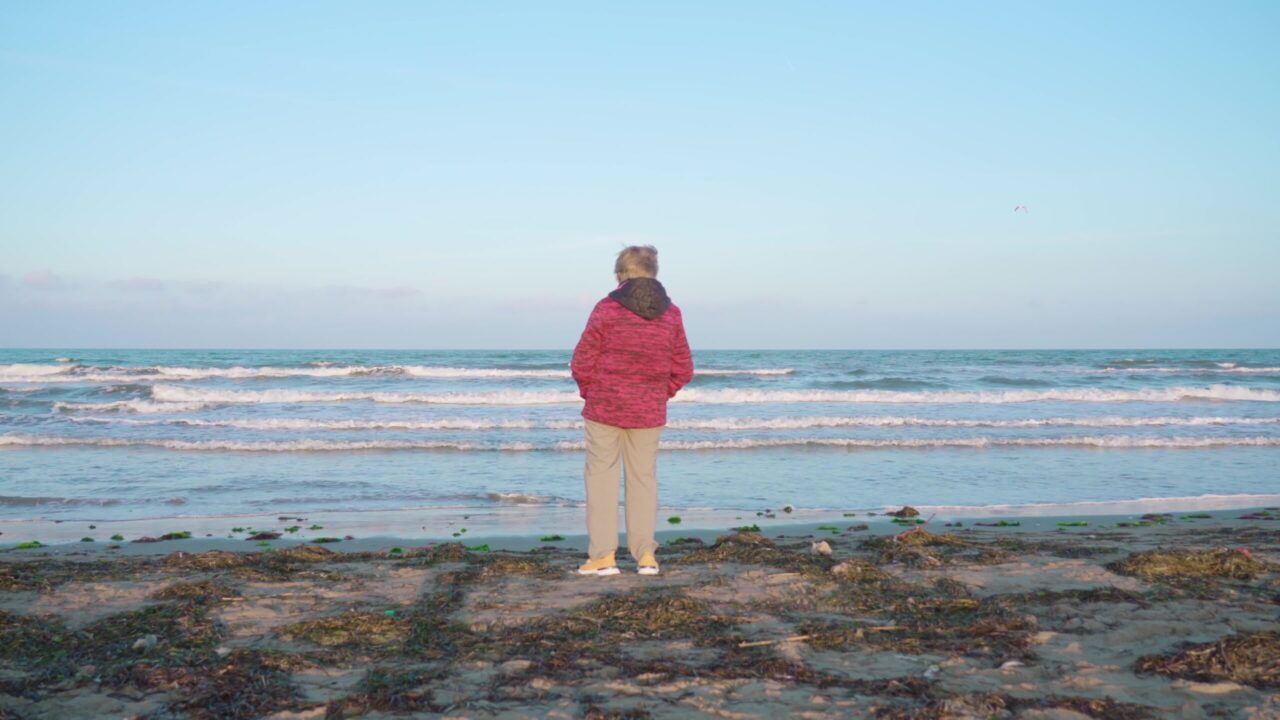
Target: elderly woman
632,358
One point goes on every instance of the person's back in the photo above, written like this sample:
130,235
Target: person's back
633,356
636,358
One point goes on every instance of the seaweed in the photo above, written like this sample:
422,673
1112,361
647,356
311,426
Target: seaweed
1180,564
1249,659
755,549
353,629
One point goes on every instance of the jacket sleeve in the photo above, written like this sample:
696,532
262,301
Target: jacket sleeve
681,362
587,352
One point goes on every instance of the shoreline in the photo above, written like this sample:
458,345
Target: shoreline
526,528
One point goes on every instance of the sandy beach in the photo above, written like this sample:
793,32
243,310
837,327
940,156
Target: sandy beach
1171,615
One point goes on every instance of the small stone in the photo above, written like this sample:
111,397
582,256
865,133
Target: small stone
1010,664
145,643
223,651
821,548
906,512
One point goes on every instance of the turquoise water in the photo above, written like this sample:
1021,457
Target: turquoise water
113,434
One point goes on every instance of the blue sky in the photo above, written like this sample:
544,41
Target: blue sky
814,175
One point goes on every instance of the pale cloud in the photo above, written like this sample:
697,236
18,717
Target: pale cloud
137,284
394,293
43,280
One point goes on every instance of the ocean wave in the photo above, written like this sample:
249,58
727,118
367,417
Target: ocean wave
1133,506
1108,442
134,406
174,393
1196,370
731,424
1173,394
28,372
22,501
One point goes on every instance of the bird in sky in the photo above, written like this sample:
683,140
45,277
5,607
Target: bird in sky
1016,208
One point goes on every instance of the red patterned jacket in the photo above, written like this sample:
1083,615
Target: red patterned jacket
632,357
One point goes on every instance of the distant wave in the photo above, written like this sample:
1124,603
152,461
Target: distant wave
21,501
1110,442
174,393
27,372
708,424
135,406
1173,394
1195,370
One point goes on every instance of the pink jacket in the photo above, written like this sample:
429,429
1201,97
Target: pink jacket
633,357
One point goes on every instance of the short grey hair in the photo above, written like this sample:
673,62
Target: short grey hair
636,261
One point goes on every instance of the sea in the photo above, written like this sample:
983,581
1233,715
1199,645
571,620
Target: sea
134,434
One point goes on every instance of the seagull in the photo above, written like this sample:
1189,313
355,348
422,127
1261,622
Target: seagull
1016,208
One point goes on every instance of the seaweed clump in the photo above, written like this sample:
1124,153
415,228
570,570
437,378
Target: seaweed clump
1176,564
754,549
355,628
1249,659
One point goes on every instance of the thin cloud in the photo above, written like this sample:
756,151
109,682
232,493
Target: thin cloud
43,280
137,284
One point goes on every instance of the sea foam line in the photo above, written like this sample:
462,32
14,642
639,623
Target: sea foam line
1106,442
27,372
708,424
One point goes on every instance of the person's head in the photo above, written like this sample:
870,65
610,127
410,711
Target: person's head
636,261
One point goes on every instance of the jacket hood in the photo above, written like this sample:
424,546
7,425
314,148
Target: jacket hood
643,296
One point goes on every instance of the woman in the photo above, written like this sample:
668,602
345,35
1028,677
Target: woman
632,358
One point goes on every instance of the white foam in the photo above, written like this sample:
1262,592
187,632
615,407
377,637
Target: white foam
802,423
174,393
1173,394
239,446
1222,368
310,445
25,370
136,406
1135,506
308,424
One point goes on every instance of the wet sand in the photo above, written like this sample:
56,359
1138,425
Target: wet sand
1120,617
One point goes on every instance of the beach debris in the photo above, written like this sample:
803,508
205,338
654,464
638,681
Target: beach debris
1249,659
29,545
674,520
181,535
821,547
859,527
316,527
395,551
787,509
86,539
326,540
202,591
145,643
858,571
906,512
293,528
685,541
1174,564
747,529
352,628
932,672
264,535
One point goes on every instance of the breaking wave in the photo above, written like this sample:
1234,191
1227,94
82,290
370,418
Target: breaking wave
729,424
1110,442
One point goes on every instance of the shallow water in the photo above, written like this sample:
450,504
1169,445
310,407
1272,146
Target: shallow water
106,434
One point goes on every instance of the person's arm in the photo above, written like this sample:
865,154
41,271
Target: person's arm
681,362
587,352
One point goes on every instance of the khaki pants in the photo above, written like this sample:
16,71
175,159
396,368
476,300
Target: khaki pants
638,450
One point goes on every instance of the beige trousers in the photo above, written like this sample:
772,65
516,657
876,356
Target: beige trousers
638,450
